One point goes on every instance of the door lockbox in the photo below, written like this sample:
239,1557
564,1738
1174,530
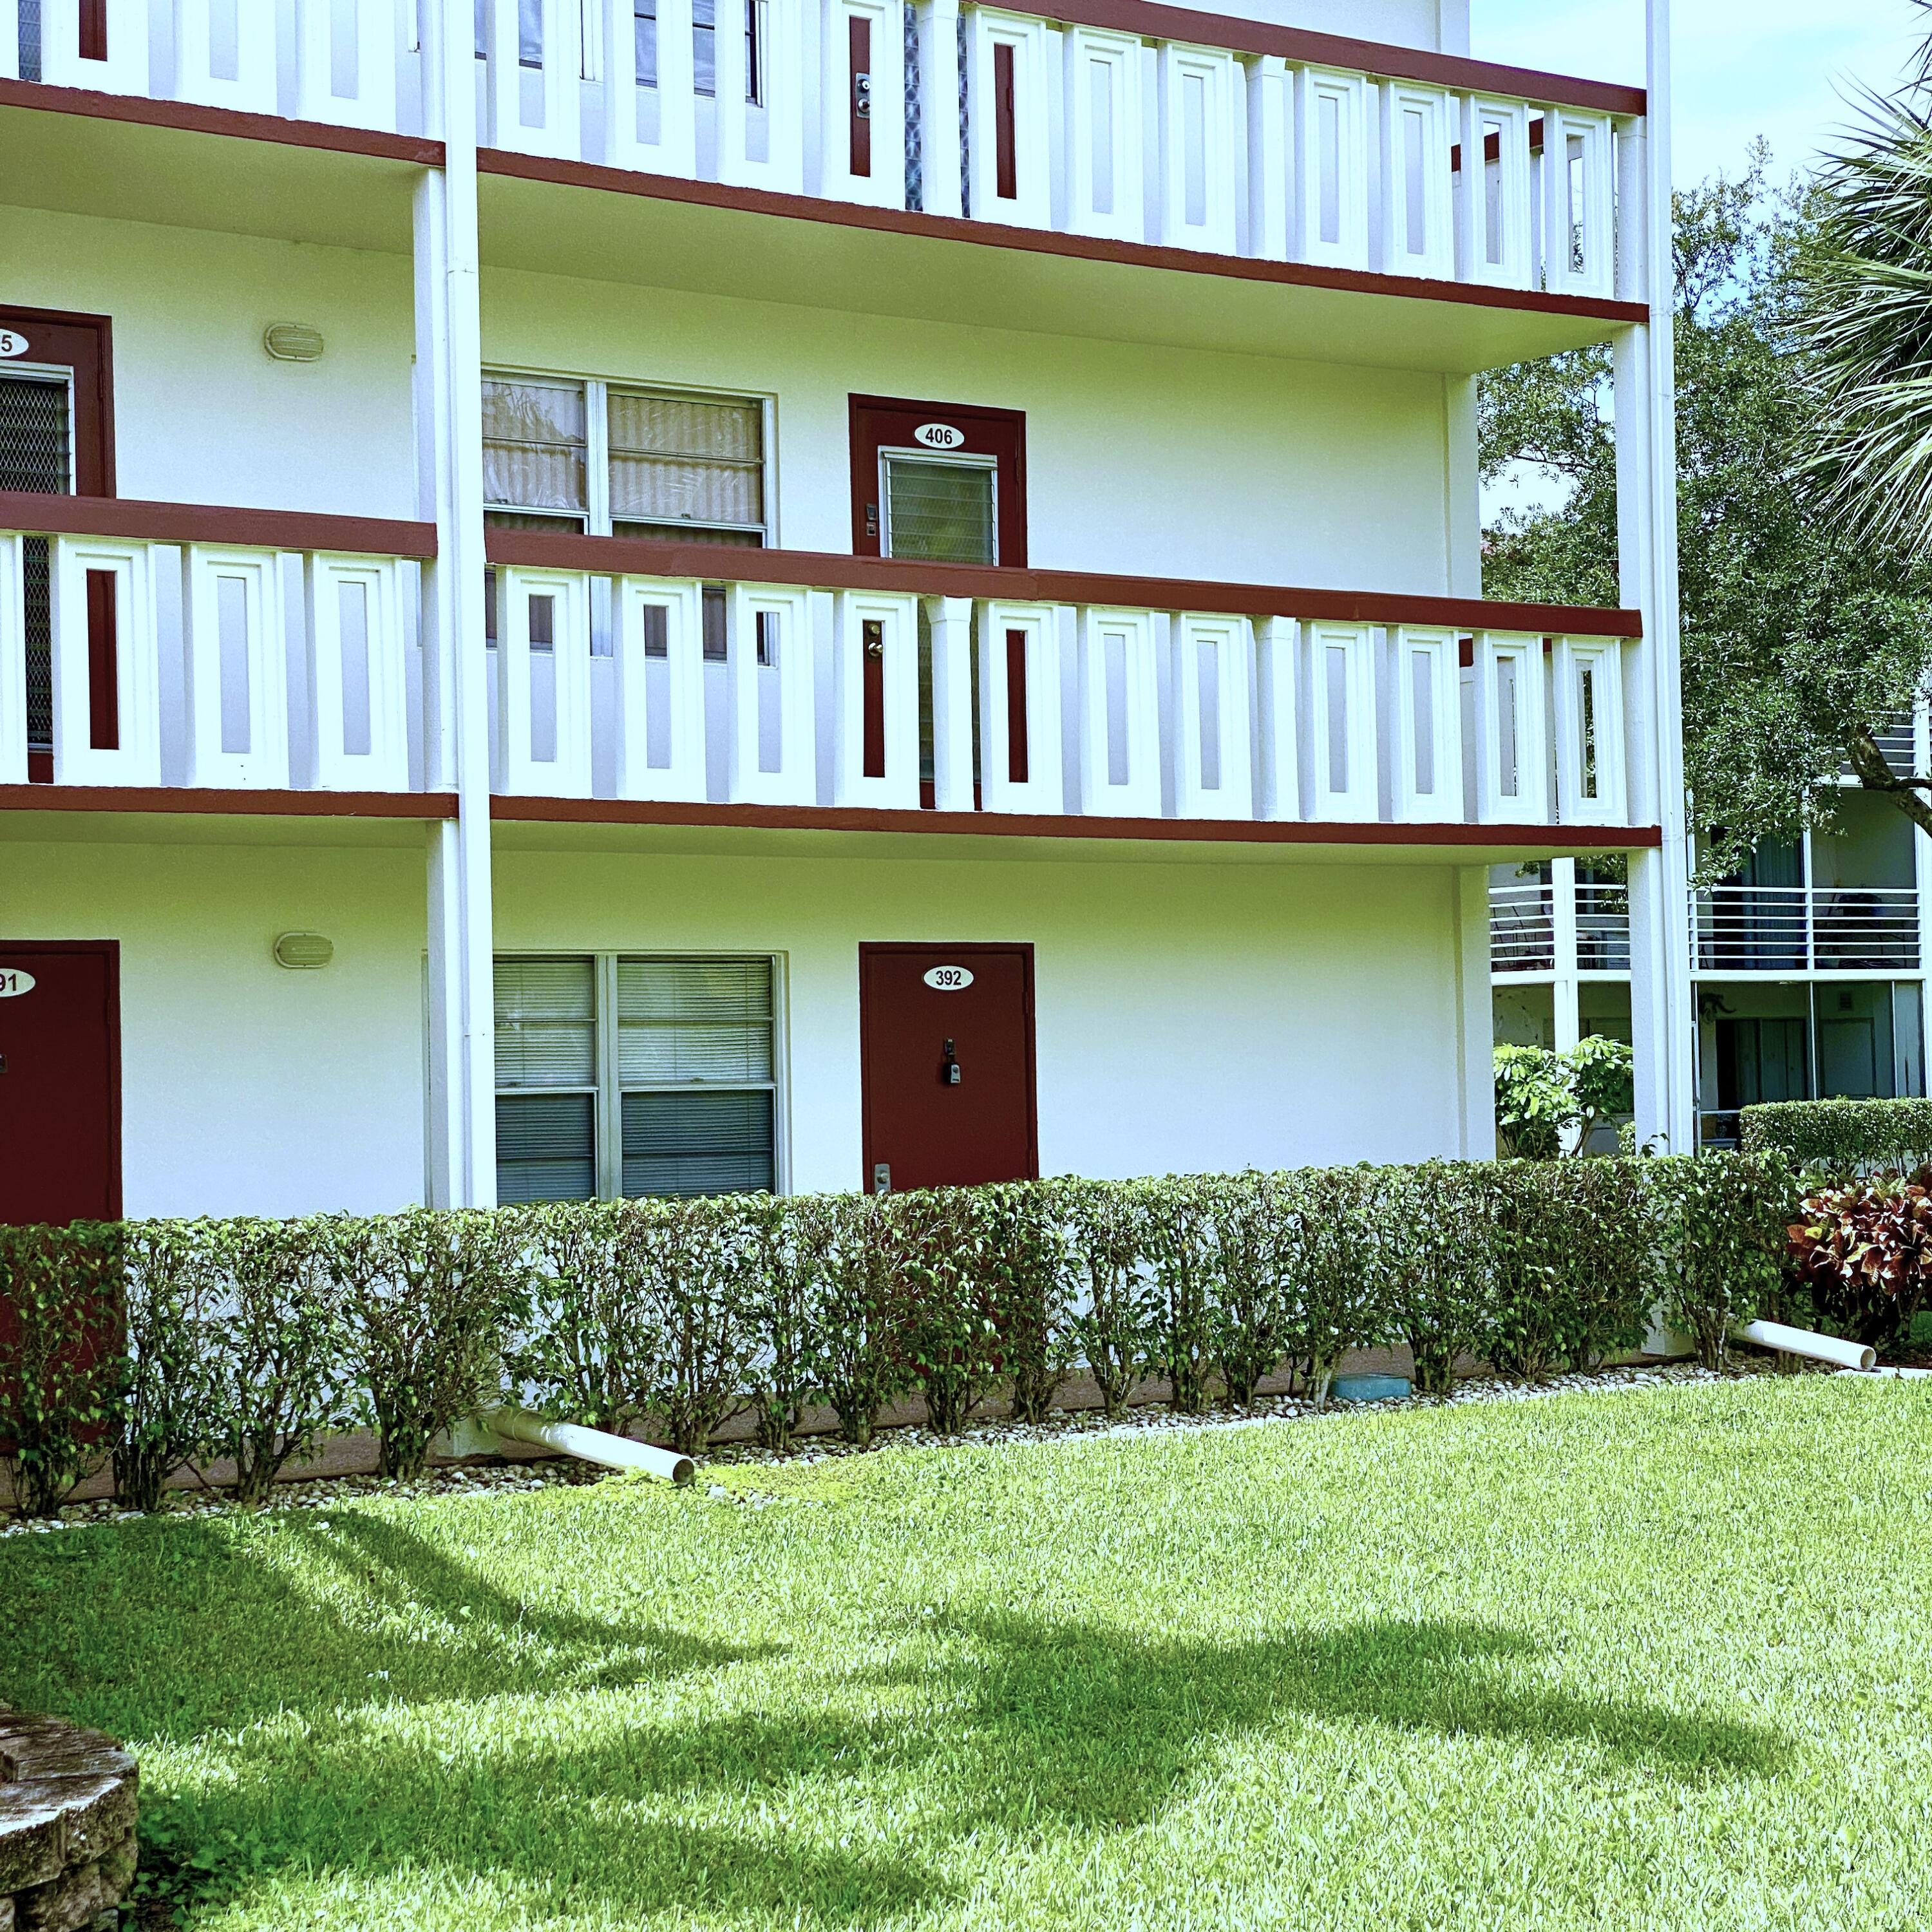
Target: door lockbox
949,1068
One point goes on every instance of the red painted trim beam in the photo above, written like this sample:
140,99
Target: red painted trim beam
640,556
1047,241
40,515
416,149
1557,839
193,802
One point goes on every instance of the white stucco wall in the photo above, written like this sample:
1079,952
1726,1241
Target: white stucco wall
247,1088
202,413
1163,461
1189,1016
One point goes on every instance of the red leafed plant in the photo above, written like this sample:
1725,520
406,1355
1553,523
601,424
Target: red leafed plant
1865,1252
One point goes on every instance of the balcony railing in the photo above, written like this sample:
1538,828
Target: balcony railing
1603,929
231,659
350,63
1797,929
1140,124
1524,929
243,650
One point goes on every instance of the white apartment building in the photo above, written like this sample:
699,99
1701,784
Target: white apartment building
616,596
1807,966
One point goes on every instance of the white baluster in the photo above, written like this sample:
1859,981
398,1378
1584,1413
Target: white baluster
1120,715
652,126
346,62
1214,717
236,688
659,627
1579,202
1418,140
358,674
1343,751
1106,120
1271,203
1019,686
949,624
942,166
761,141
863,106
225,54
103,581
1498,227
123,69
10,49
1198,208
1592,760
543,670
1331,169
1512,766
1277,696
1010,162
536,110
769,681
875,681
13,661
1425,669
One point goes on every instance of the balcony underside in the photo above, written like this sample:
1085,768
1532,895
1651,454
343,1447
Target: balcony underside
133,160
189,815
653,232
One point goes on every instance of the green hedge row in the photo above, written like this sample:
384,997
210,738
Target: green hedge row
159,1344
1844,1139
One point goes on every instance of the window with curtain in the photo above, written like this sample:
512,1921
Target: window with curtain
687,466
629,1076
536,452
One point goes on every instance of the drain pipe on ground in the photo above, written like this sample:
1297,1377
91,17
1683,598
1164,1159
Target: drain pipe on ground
588,1445
1841,1354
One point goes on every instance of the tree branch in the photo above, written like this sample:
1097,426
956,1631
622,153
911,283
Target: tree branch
1869,765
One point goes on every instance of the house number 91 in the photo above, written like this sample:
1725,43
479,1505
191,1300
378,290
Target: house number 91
13,983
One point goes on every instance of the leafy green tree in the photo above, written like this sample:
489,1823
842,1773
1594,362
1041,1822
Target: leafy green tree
1801,639
1549,1103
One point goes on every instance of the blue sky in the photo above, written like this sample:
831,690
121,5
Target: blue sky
1744,67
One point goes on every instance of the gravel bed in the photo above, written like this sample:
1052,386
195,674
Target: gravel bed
486,1478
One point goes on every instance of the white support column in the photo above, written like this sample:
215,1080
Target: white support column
1476,1032
941,161
1661,1004
949,622
1567,1004
448,406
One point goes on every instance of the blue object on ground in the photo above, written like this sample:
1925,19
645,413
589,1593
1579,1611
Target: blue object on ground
1371,1388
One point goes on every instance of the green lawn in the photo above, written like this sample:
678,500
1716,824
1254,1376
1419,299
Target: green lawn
1649,1660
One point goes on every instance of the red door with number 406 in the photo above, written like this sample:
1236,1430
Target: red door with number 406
946,1043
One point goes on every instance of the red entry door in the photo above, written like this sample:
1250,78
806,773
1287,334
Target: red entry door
946,1044
60,1083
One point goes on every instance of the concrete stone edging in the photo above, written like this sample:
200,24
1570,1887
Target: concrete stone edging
67,1803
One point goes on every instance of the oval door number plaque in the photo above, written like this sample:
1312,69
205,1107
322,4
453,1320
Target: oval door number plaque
939,435
12,343
948,979
12,984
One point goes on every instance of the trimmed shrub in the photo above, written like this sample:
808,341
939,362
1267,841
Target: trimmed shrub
1864,1253
277,1345
1720,1226
1030,1263
939,1253
855,1359
1439,1278
1115,1324
1336,1295
60,1293
781,1300
168,1414
585,1352
1247,1311
1842,1140
1177,1221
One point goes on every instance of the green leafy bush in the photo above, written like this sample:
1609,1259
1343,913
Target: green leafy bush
1549,1103
1247,1312
584,1352
168,1414
1177,1219
1337,1292
1720,1227
1439,1279
1842,1140
857,1360
1030,1263
1114,1324
60,1294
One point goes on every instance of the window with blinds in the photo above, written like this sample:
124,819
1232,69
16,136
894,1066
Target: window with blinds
536,452
635,1076
687,466
941,512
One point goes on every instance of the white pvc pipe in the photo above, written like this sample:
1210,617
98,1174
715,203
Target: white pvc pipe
590,1445
1803,1342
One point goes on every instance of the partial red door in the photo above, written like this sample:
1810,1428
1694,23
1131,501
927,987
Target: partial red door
60,1083
947,1053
